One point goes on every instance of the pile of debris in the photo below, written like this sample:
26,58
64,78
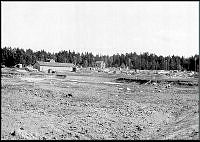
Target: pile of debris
31,69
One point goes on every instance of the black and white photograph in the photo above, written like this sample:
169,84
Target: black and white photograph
100,70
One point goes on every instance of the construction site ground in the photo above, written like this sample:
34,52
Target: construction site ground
78,106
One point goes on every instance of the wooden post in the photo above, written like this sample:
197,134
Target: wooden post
195,65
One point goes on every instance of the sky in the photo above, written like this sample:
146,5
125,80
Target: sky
105,28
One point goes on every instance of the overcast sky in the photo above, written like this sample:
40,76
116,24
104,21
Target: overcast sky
106,28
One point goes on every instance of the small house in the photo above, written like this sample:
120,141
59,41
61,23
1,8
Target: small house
100,64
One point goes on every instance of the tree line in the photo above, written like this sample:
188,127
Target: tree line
145,61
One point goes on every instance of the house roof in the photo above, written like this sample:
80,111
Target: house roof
55,64
99,61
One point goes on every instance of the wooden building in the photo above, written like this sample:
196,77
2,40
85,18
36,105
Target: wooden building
53,66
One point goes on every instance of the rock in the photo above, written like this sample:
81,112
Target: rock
76,136
128,89
43,138
154,83
167,86
13,133
158,130
138,128
54,138
69,95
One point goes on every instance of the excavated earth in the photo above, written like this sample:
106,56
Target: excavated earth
89,107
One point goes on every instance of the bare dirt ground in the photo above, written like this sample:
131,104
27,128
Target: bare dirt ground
89,107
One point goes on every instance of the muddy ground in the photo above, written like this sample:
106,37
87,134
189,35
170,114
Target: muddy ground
88,107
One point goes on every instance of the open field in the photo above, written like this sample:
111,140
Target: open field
96,106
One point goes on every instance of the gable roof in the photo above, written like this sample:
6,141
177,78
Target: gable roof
55,64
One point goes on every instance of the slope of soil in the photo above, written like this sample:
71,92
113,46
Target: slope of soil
89,107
